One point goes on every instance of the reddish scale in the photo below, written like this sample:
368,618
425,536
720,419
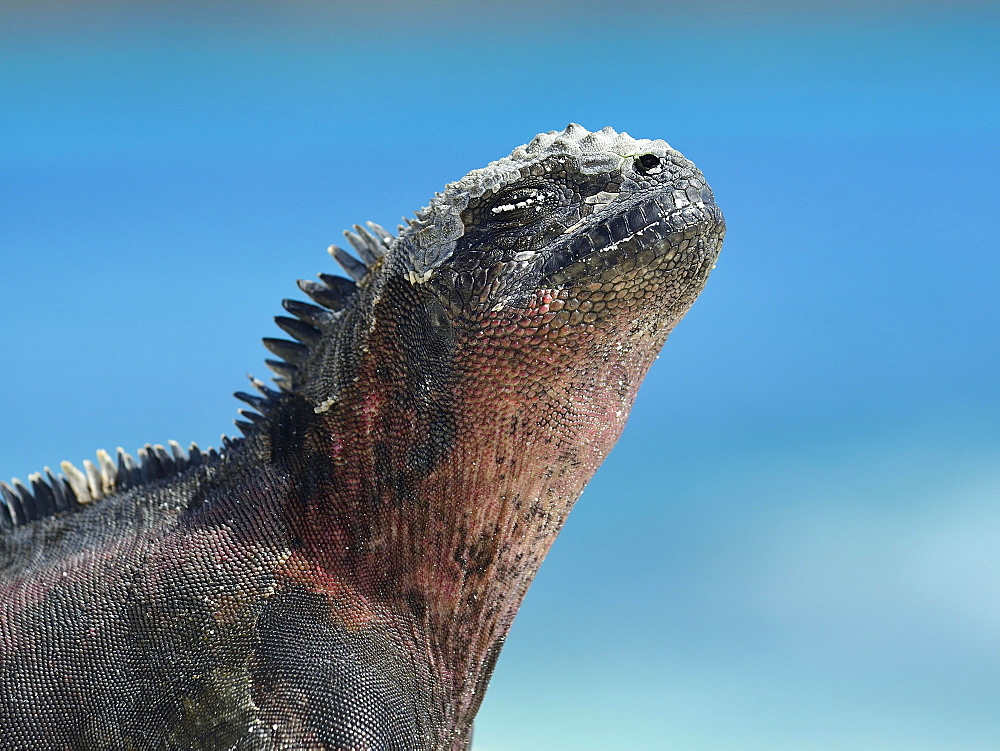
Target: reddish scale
348,527
540,395
530,436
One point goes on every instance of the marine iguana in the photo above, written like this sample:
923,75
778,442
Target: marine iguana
344,575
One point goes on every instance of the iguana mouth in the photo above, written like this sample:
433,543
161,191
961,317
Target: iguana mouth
665,227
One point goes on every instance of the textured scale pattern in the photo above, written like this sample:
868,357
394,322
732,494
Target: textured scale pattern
345,574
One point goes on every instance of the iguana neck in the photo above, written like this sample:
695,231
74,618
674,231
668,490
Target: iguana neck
435,545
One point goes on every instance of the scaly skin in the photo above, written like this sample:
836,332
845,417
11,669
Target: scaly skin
345,576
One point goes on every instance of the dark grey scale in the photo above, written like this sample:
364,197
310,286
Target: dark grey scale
653,211
291,352
45,503
690,215
126,465
465,259
581,246
297,329
381,233
671,227
50,482
464,281
635,219
445,277
147,471
180,458
229,443
556,261
565,256
10,508
354,268
245,427
618,229
322,294
673,211
165,460
312,314
263,389
25,508
600,236
163,469
282,368
368,258
7,514
259,403
456,300
369,243
64,496
134,470
155,457
344,287
479,279
251,416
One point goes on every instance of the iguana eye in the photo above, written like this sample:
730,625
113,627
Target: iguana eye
648,164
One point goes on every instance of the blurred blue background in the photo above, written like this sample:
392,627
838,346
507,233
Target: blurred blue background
795,544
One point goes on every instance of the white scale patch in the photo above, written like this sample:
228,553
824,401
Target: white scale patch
601,151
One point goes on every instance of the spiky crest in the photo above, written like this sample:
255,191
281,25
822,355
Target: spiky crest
313,323
51,493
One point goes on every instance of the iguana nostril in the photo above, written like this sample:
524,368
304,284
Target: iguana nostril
647,164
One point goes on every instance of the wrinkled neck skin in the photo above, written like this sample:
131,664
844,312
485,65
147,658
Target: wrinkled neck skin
429,491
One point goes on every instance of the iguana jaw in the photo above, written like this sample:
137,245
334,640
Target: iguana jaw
662,230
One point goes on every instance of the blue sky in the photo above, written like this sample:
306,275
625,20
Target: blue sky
794,544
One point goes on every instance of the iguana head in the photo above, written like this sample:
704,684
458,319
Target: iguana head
461,397
543,284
